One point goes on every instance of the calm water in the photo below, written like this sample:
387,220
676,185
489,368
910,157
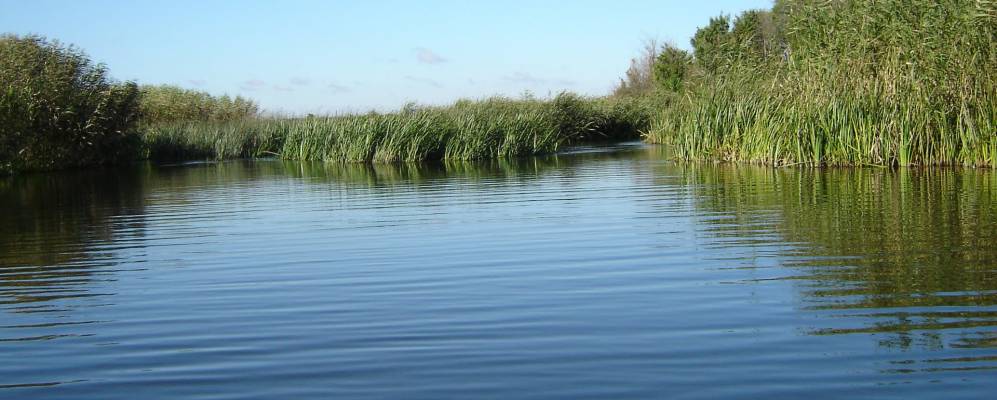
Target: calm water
608,273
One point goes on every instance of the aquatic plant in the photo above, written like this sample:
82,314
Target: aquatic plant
468,130
58,109
894,82
164,104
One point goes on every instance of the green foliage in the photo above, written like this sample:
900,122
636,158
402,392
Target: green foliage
756,37
639,80
58,109
855,82
671,68
468,130
171,104
712,43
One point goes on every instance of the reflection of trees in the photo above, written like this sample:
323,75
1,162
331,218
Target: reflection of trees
51,224
909,253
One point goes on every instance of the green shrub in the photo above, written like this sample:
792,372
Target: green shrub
59,110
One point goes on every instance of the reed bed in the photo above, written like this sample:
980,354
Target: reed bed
468,130
892,82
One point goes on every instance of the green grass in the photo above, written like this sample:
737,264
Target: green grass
468,130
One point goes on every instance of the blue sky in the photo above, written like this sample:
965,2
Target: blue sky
336,56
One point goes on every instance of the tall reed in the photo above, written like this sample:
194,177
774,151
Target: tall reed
891,82
468,130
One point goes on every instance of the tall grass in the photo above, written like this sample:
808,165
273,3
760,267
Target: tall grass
468,130
890,82
58,109
162,104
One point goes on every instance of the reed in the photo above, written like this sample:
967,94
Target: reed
468,130
58,109
164,104
892,82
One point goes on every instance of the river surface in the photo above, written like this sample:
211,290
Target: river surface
606,272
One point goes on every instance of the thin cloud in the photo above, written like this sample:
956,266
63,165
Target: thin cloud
425,81
197,82
253,84
300,81
280,88
427,56
337,88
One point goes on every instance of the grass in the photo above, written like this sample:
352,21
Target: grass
468,130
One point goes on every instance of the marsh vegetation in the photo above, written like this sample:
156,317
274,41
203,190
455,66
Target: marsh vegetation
896,82
853,82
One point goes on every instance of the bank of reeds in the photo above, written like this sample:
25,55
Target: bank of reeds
467,130
858,82
58,109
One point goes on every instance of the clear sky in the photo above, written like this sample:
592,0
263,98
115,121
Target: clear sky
333,56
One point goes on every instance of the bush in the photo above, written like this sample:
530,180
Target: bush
59,110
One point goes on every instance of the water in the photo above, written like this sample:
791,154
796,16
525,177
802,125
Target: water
605,273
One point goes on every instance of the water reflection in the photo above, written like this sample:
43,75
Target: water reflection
50,228
542,272
904,256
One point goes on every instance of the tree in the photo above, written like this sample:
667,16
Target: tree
640,76
671,67
711,44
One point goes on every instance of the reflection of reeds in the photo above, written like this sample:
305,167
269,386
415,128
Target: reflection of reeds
904,251
54,218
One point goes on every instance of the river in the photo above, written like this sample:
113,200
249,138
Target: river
603,272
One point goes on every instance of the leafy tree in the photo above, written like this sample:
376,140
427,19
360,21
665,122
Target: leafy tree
711,44
757,36
671,67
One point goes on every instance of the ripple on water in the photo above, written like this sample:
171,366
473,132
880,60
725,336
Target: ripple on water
603,272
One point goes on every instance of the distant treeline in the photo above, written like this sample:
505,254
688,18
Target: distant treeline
842,82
